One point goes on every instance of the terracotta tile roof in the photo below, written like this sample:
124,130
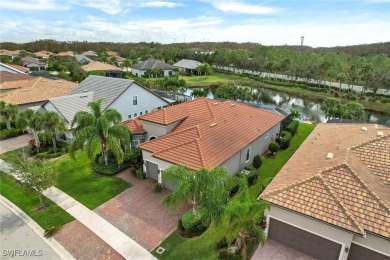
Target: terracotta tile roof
357,176
9,53
20,68
33,60
89,53
135,126
112,53
43,54
8,76
36,90
97,65
210,132
66,53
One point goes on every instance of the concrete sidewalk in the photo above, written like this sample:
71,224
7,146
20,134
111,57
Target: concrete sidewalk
14,143
120,242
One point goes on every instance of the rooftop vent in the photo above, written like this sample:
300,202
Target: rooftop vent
329,156
364,128
213,124
215,103
85,90
232,104
379,134
83,96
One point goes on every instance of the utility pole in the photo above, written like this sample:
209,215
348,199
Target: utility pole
302,39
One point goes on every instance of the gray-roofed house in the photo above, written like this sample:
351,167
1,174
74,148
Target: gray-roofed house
82,59
128,97
30,62
146,67
189,66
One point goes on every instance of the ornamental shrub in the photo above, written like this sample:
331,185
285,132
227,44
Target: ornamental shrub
257,161
140,174
9,133
273,147
292,127
156,187
285,142
194,223
252,177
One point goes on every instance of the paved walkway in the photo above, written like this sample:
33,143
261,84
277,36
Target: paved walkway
276,251
14,143
120,242
22,237
138,212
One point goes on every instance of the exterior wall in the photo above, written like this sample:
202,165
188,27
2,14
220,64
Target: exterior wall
316,227
145,101
156,129
162,165
238,161
69,133
374,243
168,73
139,73
22,107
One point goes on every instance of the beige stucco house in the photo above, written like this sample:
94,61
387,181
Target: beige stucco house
332,198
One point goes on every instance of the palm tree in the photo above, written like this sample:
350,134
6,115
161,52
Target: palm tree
204,188
366,74
33,120
239,214
8,112
99,130
53,126
295,113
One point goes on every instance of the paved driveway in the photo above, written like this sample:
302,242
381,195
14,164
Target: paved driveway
138,212
276,251
14,143
19,239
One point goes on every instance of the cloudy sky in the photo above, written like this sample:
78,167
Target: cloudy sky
277,22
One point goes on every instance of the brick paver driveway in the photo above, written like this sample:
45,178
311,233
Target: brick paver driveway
276,251
14,143
138,212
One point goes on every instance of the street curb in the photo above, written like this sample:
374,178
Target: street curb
57,247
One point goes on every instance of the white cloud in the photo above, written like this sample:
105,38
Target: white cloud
33,5
109,7
159,4
236,7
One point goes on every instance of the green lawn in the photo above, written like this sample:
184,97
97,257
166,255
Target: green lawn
28,201
77,180
215,77
204,246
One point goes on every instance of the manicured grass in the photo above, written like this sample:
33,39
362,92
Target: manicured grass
204,246
215,77
75,178
28,201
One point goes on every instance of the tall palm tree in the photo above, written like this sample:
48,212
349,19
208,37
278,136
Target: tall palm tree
33,120
8,112
205,189
53,126
99,131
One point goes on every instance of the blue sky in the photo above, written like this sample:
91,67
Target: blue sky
323,23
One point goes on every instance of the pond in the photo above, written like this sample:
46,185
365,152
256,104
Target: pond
310,109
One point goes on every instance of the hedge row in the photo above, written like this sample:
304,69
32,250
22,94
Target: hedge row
9,133
49,154
292,127
285,141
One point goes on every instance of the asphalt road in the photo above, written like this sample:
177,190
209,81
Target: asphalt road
19,241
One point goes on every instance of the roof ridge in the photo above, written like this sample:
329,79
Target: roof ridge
208,106
273,192
38,80
345,208
369,141
367,188
171,134
200,152
165,116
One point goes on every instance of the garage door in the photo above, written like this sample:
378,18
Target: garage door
169,184
361,253
303,241
152,170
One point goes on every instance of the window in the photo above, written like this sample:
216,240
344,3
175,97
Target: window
140,113
266,135
135,101
135,114
159,108
248,154
146,111
134,143
128,116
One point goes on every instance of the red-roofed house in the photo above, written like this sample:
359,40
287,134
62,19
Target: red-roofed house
332,198
205,133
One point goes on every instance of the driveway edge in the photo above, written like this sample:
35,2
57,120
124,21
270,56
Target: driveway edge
57,247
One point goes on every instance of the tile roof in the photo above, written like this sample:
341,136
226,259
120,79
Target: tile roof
187,64
33,60
36,90
9,53
65,54
89,53
209,133
6,76
97,65
80,57
135,126
43,54
112,53
17,68
152,64
357,176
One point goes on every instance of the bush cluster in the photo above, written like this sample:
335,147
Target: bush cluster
49,154
194,224
140,174
292,127
112,168
227,255
9,133
285,141
273,147
257,161
156,187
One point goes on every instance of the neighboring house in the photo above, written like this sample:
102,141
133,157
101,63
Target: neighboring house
65,54
43,54
141,68
9,54
189,66
31,63
332,198
206,133
109,70
83,59
6,76
126,96
15,69
90,54
33,92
